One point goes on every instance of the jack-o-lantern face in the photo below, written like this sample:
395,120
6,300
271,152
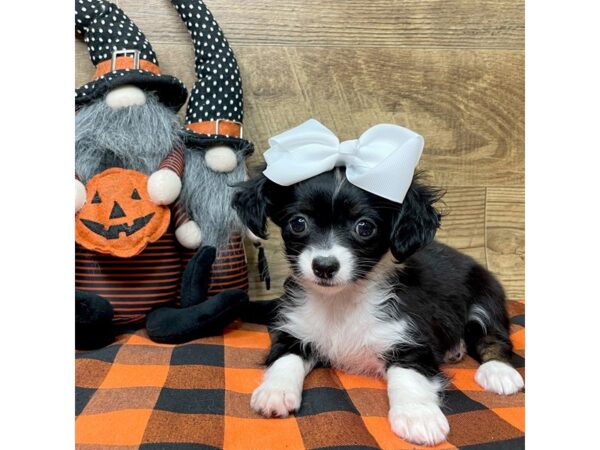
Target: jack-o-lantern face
118,217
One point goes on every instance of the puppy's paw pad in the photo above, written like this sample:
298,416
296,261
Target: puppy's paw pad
423,424
499,377
275,401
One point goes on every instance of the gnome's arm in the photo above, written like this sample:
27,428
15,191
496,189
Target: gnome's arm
164,185
187,231
80,194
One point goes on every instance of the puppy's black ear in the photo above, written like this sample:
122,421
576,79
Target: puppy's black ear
417,221
250,201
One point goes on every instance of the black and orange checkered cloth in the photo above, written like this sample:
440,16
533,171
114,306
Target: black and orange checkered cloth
139,394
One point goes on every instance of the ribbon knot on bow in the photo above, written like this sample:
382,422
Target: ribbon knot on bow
381,161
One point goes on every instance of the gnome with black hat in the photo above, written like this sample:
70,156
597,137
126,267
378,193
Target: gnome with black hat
129,161
110,131
215,161
216,151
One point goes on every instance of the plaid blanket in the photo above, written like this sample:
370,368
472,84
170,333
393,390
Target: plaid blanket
139,394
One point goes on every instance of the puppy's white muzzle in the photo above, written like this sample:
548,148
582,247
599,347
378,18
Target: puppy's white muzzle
327,267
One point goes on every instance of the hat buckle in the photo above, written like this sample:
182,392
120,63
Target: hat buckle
125,53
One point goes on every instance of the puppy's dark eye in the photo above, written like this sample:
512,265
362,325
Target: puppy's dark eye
365,228
298,225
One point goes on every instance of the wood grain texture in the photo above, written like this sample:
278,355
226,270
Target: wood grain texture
349,23
505,237
467,104
451,70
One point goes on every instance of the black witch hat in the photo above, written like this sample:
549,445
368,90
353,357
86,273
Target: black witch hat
122,55
215,110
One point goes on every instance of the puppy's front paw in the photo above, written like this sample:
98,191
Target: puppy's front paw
499,377
423,424
275,400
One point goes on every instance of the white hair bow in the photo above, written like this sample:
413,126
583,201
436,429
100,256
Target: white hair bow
381,161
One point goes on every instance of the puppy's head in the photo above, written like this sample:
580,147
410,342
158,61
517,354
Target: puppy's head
334,232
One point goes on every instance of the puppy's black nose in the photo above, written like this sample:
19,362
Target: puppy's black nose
325,266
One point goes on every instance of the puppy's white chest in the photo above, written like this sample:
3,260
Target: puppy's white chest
347,330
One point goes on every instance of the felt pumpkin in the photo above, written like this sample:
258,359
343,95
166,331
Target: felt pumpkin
118,217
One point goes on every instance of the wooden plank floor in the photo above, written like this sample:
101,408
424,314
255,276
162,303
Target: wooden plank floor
450,69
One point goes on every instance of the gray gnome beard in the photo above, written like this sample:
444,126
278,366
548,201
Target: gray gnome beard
135,137
207,197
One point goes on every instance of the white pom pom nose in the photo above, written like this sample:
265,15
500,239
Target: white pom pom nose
124,96
220,159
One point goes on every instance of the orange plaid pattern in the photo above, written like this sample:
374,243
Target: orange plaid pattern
138,394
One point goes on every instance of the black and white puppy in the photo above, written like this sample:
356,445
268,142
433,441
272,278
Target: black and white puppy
372,293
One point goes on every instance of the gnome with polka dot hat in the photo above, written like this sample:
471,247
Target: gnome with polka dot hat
213,132
215,155
126,115
129,161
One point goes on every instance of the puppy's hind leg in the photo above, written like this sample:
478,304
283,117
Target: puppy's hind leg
281,390
496,374
487,337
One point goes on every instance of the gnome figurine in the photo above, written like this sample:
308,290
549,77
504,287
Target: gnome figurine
215,161
126,116
129,160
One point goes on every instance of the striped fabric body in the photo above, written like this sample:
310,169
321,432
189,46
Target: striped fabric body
134,286
230,269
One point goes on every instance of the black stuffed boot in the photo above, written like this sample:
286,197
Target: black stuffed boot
196,277
209,318
93,321
197,317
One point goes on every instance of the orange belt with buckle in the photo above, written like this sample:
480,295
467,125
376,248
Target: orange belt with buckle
224,127
121,61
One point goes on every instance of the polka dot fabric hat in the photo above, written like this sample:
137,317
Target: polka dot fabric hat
215,111
122,55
